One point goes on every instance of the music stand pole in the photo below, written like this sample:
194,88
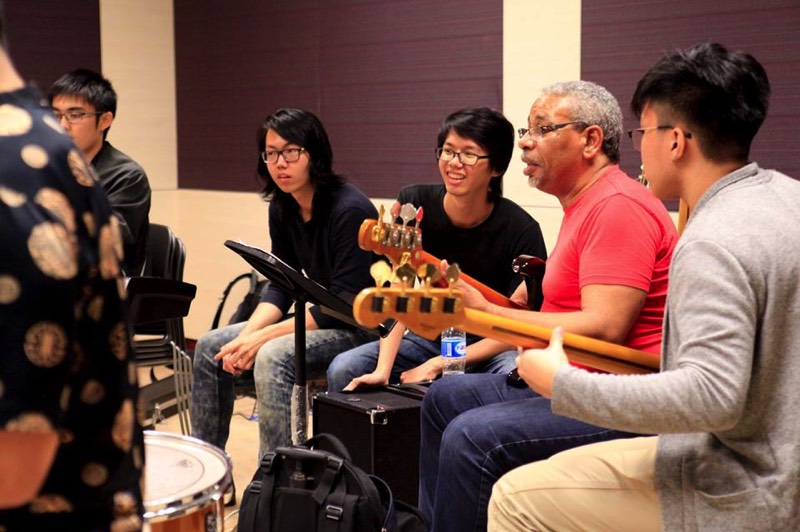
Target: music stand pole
299,403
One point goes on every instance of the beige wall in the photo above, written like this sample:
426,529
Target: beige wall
541,45
138,56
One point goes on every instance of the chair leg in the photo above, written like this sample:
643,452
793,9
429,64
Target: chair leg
182,367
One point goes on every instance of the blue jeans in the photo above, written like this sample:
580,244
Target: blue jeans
413,351
476,428
213,389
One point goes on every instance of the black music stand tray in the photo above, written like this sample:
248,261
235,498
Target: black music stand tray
303,290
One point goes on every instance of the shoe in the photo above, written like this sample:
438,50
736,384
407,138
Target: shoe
231,496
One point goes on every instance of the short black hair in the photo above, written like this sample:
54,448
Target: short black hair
89,85
491,131
723,97
304,129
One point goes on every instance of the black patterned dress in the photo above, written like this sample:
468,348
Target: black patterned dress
65,354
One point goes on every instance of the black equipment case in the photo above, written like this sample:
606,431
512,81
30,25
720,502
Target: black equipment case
380,428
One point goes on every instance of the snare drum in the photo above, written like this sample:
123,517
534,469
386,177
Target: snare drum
185,479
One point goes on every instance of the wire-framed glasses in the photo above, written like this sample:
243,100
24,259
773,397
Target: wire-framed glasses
466,158
75,116
538,132
289,155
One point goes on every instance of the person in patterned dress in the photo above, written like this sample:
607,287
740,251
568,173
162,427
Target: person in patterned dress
71,447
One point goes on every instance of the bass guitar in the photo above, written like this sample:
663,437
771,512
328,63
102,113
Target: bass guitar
427,311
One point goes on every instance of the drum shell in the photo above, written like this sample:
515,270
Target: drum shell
190,498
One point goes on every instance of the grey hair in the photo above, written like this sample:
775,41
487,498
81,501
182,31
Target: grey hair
593,104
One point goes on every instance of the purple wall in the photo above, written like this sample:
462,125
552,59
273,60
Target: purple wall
622,39
380,74
48,38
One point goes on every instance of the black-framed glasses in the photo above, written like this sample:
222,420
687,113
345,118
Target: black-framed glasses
538,132
467,159
637,134
289,155
75,116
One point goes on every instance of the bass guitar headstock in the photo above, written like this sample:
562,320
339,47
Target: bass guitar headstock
425,310
394,239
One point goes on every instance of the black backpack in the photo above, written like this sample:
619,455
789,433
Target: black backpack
249,302
305,489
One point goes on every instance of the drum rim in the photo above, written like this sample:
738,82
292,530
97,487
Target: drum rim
168,508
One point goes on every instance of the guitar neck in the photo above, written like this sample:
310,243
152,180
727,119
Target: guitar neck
590,352
583,350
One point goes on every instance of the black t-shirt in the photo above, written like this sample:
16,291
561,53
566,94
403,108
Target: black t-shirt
485,251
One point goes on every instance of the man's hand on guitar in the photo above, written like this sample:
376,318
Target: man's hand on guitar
538,367
425,372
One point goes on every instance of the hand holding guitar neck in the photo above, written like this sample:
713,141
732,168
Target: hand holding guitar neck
396,239
429,310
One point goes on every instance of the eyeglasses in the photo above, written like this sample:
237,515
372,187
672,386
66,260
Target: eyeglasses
75,116
467,159
636,135
289,155
538,132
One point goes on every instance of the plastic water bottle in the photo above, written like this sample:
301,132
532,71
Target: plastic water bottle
454,351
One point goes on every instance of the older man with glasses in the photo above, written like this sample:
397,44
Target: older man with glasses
606,279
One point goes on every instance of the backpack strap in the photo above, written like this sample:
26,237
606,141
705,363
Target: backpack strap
335,513
387,501
262,499
225,293
332,468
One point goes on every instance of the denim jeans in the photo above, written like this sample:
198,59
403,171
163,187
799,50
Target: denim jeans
413,351
213,388
476,428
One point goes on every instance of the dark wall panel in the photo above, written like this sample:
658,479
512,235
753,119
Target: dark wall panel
48,38
380,74
622,39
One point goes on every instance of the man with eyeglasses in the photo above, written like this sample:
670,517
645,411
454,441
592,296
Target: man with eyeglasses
85,104
606,278
724,405
466,220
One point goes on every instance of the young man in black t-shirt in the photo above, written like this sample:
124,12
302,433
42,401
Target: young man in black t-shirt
466,221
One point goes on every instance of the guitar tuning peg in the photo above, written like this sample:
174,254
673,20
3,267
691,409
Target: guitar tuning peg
420,214
381,212
405,273
428,273
395,211
405,258
452,274
407,213
380,272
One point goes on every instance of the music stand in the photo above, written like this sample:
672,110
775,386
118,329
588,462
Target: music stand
303,290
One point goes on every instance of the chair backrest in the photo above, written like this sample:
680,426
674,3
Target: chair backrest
166,254
166,257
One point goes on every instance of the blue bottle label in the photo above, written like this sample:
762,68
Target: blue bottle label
454,347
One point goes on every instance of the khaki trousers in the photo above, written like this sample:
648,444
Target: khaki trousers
603,486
